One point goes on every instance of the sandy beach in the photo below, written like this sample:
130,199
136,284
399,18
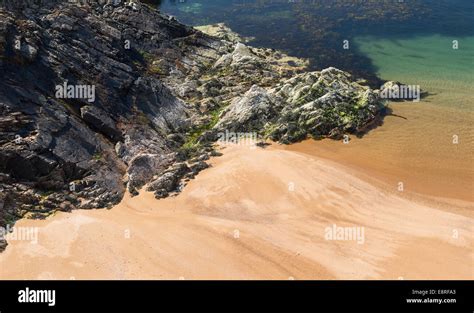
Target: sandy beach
257,214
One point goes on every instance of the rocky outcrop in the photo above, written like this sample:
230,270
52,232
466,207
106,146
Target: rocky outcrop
60,151
250,112
316,104
98,99
169,181
220,30
323,104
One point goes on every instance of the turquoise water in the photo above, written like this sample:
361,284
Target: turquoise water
316,29
410,41
430,61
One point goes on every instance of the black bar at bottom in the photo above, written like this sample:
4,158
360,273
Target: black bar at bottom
236,296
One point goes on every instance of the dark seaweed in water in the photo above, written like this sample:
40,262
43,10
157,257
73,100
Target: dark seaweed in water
153,2
317,29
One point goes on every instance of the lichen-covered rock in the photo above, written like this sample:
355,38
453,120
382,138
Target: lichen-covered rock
323,104
220,30
248,113
316,104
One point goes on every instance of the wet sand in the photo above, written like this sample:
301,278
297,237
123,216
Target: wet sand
256,214
413,146
429,144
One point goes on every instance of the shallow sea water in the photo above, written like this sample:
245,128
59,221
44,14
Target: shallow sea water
427,144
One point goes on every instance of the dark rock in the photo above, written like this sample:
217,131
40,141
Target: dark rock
198,167
143,167
71,146
262,144
170,179
3,244
161,193
99,120
216,153
177,138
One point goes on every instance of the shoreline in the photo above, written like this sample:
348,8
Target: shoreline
395,151
239,219
383,181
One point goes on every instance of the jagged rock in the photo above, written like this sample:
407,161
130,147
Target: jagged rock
390,85
216,153
221,31
202,157
396,91
49,144
28,52
241,54
161,193
249,113
323,104
176,138
199,166
225,60
208,104
317,104
143,167
262,144
188,89
99,120
3,244
169,181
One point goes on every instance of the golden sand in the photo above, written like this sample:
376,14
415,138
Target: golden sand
256,214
